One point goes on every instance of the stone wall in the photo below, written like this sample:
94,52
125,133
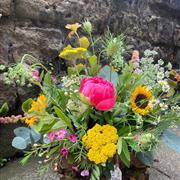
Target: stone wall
37,27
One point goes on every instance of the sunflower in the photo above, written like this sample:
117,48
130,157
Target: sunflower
141,99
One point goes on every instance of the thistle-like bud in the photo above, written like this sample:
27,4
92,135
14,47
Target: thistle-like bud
87,26
147,142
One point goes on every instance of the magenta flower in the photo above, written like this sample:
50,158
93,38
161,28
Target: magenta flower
85,173
61,134
51,136
99,92
35,74
64,152
72,138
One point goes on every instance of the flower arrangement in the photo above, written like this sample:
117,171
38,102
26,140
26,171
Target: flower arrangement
95,117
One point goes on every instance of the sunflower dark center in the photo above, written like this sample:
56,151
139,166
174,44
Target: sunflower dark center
141,101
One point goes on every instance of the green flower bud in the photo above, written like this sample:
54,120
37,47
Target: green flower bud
87,26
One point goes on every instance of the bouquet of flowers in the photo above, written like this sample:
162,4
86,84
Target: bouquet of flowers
91,121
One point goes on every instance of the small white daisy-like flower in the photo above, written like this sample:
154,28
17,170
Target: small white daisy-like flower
163,106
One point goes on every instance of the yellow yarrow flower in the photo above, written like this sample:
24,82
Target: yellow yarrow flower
70,53
101,143
141,99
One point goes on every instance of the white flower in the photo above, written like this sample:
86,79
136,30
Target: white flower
160,75
169,66
163,106
160,62
165,86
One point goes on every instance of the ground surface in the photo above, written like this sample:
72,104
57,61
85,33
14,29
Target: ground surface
167,167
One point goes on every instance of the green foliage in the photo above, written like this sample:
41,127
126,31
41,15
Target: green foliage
114,47
63,117
95,174
27,105
19,143
109,74
24,137
4,109
94,67
125,155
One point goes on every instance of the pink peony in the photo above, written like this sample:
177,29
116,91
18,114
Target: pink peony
51,136
99,92
61,134
72,138
64,152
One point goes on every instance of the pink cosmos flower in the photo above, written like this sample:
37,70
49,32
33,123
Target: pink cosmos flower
85,173
64,152
35,74
51,136
99,92
61,134
72,138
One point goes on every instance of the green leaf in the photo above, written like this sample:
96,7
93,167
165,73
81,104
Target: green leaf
124,159
94,67
59,124
63,117
125,150
35,135
24,133
95,175
110,75
119,145
19,143
27,105
4,109
47,79
53,150
25,159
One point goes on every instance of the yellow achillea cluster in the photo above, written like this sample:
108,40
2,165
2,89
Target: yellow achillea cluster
70,53
36,106
101,143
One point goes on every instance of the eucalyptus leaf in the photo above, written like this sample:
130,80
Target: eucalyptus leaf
19,143
24,133
110,75
35,135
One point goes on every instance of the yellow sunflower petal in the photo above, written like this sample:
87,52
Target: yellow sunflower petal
143,94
